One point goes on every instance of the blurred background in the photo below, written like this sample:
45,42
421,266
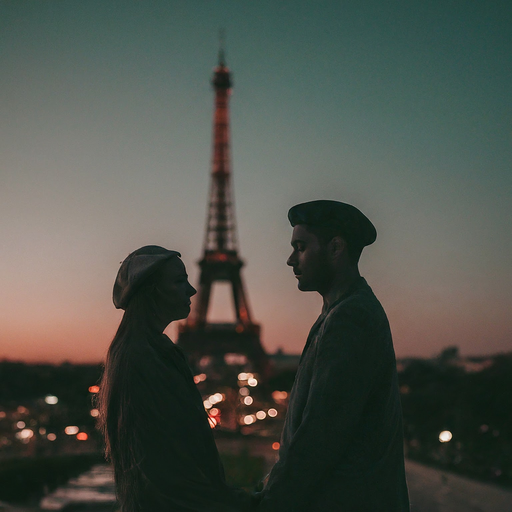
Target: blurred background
401,109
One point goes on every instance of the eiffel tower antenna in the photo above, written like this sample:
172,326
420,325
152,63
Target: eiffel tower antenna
222,39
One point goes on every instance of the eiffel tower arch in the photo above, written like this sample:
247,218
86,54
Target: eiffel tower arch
216,344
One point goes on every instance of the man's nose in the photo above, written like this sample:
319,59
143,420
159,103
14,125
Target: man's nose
290,260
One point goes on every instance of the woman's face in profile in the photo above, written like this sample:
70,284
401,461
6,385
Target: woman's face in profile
174,290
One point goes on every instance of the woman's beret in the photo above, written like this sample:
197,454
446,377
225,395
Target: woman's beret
137,266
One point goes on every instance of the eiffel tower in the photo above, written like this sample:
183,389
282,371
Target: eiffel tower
217,344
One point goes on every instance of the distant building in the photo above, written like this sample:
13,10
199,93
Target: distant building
284,362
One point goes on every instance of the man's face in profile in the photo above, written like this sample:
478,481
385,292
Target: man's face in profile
310,261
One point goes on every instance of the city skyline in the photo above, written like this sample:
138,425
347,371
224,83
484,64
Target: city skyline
105,146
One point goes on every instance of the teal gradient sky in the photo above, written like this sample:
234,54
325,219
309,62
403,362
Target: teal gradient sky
400,108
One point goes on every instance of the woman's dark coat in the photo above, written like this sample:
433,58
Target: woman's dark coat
168,426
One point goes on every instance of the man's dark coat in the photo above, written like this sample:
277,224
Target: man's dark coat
342,442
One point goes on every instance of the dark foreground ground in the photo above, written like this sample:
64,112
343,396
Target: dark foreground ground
431,490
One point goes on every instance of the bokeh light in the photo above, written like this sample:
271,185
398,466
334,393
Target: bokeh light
445,436
261,415
249,419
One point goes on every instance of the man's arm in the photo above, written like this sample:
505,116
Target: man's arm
343,377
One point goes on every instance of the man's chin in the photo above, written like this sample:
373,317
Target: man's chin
303,287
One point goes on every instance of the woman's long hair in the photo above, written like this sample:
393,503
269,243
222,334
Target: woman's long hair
117,417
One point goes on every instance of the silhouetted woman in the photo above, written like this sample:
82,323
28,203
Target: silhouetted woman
152,415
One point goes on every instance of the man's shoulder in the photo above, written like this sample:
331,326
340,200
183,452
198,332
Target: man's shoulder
360,307
358,317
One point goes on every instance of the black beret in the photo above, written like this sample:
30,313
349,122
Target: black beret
137,266
352,223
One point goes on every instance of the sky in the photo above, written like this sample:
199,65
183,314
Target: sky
401,108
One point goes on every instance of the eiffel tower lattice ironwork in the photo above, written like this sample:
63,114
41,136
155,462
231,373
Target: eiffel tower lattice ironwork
237,342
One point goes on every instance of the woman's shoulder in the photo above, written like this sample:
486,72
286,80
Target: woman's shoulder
141,358
157,358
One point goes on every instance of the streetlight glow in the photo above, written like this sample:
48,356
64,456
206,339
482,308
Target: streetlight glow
445,436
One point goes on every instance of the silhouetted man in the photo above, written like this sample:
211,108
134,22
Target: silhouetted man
342,442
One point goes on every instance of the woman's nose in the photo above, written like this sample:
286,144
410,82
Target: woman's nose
192,290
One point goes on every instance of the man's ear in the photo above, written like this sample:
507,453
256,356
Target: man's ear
337,246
